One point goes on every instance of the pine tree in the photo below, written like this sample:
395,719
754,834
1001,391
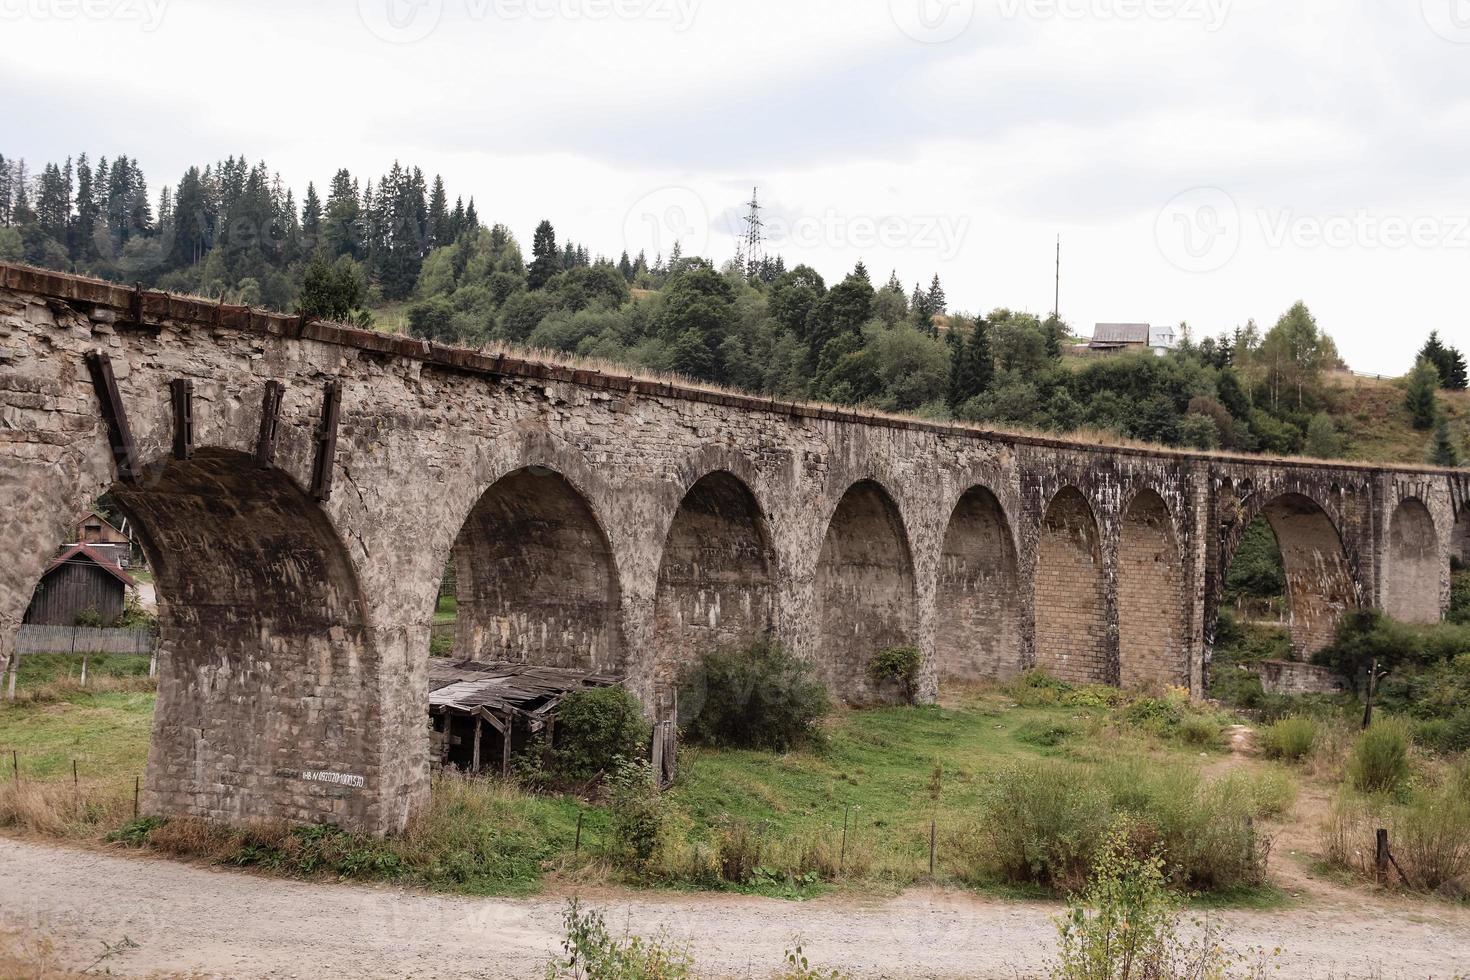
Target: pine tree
546,259
84,226
1420,399
311,219
894,286
972,369
1442,451
938,305
342,231
625,266
860,271
471,219
1458,376
438,230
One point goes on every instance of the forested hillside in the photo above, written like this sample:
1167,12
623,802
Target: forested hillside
395,253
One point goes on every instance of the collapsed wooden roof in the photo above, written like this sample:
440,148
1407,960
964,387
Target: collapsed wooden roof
486,690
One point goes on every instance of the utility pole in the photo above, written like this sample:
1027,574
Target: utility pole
1056,309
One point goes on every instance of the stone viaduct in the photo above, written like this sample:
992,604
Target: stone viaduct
299,487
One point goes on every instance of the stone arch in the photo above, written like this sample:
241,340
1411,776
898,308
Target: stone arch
1320,585
1460,538
1070,591
716,575
864,587
1411,582
1151,619
266,660
535,576
977,606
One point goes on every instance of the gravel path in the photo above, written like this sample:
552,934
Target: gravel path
191,919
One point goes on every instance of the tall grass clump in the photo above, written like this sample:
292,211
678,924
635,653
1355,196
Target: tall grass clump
1044,822
1379,759
761,696
1290,739
591,952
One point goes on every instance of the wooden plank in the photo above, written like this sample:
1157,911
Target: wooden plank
326,442
270,418
181,394
119,434
475,759
505,748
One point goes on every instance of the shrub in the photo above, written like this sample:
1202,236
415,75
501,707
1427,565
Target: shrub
1043,823
1379,760
592,953
595,728
1431,836
1039,823
637,813
761,696
1038,689
1290,739
1126,924
899,665
1201,731
739,852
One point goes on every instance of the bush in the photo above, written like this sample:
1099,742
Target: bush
1200,731
1045,734
1043,823
1127,924
637,813
761,696
592,953
1379,760
1290,739
899,665
597,727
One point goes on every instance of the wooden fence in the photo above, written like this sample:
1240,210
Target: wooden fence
84,639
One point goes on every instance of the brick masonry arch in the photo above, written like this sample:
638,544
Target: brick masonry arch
1070,592
1152,641
1411,581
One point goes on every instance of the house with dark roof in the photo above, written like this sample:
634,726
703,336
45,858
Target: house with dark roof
79,583
1115,338
103,537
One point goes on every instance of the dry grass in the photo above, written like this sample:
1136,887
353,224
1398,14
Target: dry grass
65,688
61,810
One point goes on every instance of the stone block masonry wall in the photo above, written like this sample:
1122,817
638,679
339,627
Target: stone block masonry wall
296,629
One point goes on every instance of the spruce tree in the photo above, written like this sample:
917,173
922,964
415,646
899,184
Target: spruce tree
546,259
1420,398
938,305
311,218
1458,377
972,368
437,230
1442,451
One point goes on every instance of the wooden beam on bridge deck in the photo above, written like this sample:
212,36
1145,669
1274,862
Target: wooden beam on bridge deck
181,394
270,418
326,442
119,435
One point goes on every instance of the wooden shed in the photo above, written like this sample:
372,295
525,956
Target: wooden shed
79,580
481,713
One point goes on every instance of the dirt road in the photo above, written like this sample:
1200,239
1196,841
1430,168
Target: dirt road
229,924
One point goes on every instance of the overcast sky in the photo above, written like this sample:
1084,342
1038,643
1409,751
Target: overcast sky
1207,161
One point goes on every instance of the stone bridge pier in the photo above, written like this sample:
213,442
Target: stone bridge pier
298,488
